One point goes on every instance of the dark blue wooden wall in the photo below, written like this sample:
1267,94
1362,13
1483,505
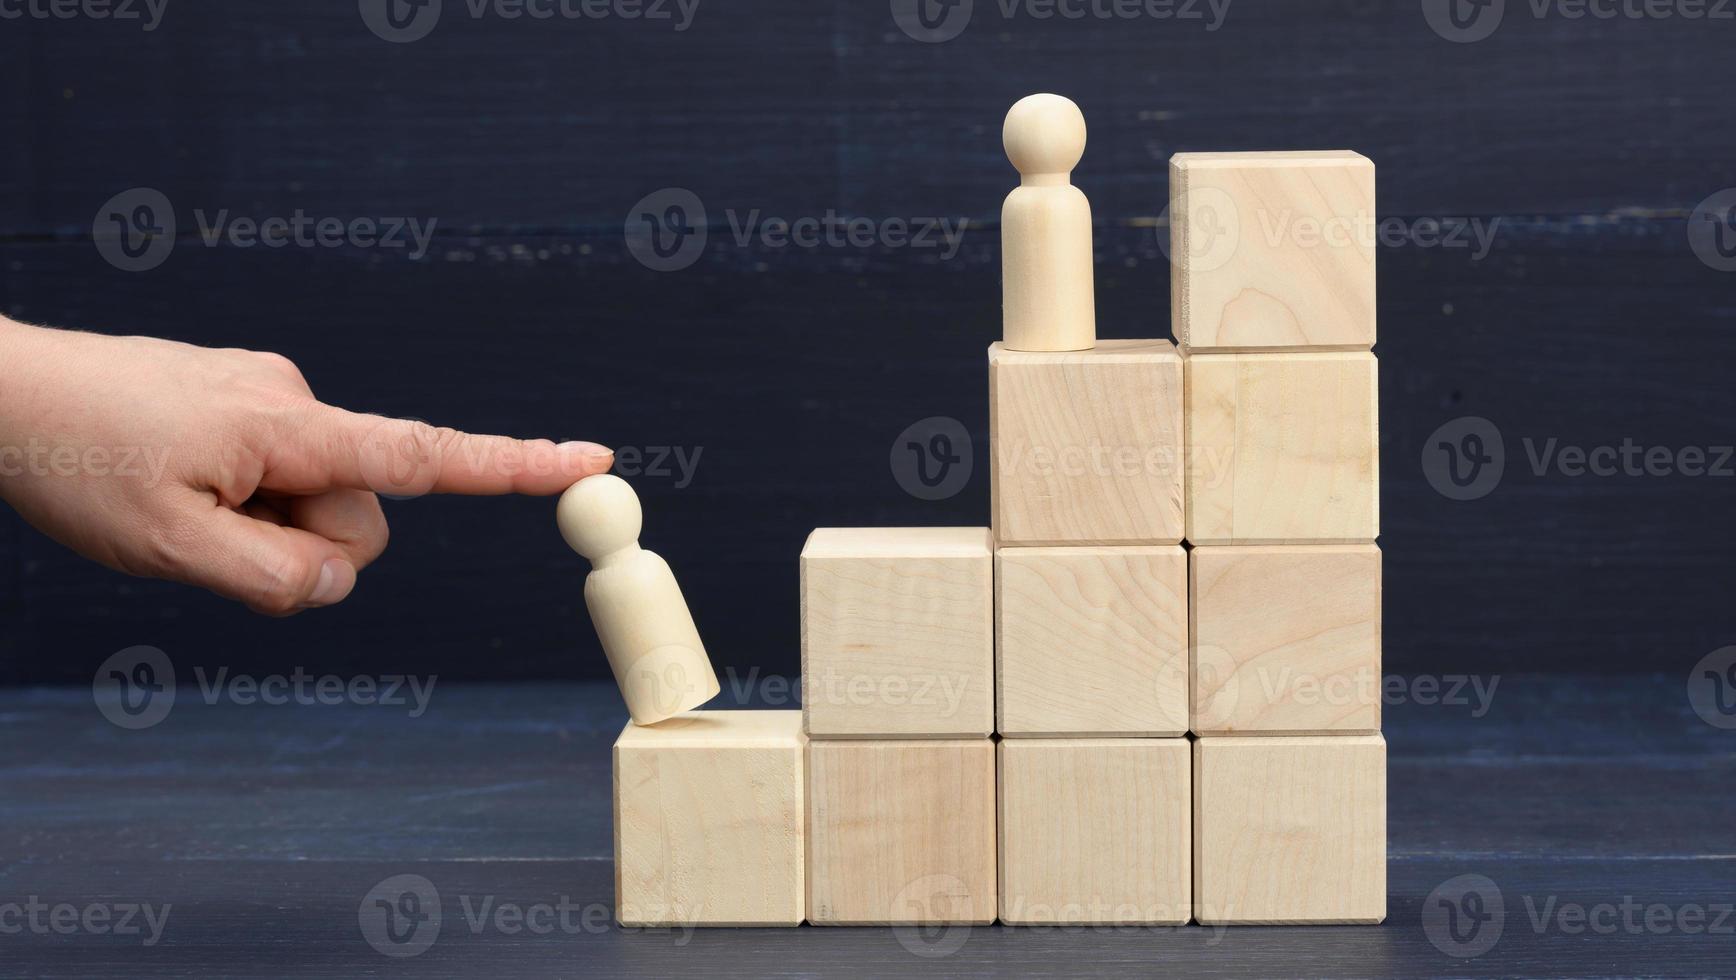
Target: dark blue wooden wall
790,370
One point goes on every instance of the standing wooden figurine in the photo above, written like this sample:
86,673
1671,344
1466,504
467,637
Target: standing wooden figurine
640,615
1047,301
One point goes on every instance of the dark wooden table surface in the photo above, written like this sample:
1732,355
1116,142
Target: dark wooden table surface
1600,813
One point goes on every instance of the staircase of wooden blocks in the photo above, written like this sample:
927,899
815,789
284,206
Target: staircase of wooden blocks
1149,693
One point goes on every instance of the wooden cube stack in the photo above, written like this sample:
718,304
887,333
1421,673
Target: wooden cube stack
1273,301
1149,692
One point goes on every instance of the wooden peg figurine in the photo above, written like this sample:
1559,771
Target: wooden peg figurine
640,615
1046,268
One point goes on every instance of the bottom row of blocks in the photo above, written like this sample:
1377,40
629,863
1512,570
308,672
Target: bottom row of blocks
735,818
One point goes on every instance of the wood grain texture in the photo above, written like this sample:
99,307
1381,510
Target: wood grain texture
1086,447
1272,250
1285,639
1289,830
898,632
710,818
1283,448
1091,641
1096,831
901,832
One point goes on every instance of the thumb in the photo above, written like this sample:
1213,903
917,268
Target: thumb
274,570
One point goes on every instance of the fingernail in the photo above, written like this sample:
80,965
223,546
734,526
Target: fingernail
336,578
589,452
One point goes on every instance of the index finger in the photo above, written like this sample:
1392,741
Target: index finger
407,458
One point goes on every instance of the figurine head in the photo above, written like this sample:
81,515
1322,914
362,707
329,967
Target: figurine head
599,515
1044,134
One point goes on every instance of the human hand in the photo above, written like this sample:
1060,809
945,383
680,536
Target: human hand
219,468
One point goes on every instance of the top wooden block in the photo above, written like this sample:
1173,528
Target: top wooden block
1272,251
1086,447
898,632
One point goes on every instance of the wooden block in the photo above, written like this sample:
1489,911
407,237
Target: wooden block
1272,251
709,820
1286,639
1086,447
901,833
1283,449
1096,831
1091,641
1289,830
898,632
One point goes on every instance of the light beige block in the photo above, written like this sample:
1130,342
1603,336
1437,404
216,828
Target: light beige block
1289,830
1086,447
1272,251
1283,449
1091,641
709,820
1096,831
898,632
1286,639
901,833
